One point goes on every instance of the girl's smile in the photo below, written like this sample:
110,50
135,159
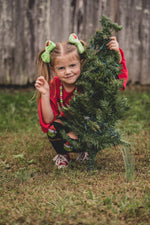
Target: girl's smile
67,68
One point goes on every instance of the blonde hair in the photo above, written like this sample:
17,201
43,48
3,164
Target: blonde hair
61,49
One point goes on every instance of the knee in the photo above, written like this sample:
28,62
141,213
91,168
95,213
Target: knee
72,135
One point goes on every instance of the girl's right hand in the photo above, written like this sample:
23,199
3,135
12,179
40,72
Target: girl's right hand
42,85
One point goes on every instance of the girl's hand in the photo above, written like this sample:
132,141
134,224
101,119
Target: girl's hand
42,85
113,44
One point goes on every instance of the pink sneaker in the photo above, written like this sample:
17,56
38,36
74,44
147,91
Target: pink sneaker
61,161
84,156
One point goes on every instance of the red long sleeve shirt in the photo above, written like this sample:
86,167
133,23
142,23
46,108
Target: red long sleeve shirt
55,95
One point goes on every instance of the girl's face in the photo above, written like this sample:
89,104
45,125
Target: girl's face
67,68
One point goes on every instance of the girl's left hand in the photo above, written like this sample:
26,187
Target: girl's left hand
113,44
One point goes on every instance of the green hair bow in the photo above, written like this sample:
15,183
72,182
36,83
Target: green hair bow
49,46
73,39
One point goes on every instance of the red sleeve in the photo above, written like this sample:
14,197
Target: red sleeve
124,71
44,126
53,101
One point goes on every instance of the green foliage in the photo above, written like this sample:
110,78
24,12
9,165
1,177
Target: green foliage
139,105
15,108
108,26
94,112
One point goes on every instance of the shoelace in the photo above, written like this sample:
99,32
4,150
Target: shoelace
58,159
83,156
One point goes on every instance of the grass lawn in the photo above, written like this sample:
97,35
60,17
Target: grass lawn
33,191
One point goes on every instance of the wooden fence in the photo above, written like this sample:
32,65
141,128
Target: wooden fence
25,25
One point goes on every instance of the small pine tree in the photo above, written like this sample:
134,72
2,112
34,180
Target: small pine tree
94,113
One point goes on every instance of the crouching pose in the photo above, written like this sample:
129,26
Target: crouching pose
60,66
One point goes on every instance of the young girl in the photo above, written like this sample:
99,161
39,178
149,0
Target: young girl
64,61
